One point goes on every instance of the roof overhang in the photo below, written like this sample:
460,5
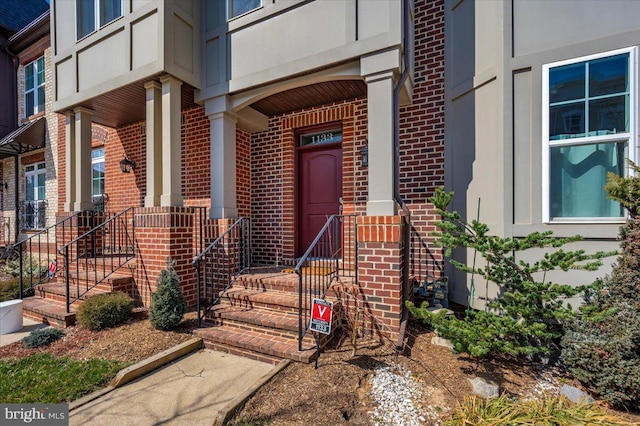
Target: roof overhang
26,138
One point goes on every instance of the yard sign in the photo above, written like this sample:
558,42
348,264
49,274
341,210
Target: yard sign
321,312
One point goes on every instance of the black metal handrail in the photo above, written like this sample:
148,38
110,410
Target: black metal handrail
112,241
41,253
332,254
220,265
423,265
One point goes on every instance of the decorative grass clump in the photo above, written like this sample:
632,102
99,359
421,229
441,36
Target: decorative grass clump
503,411
46,379
104,310
44,337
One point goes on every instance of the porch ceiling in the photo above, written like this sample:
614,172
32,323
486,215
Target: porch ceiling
127,104
309,96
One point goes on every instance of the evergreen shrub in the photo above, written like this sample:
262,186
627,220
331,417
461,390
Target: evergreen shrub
104,310
167,303
43,337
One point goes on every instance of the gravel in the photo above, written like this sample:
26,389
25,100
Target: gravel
395,391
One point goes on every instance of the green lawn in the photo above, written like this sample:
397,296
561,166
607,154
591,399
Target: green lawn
44,378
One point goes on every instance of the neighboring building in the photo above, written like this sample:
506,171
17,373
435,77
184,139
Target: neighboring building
541,104
24,37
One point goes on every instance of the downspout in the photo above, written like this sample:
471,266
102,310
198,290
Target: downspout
16,64
396,172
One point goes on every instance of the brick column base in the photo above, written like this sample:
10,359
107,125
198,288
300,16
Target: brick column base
377,298
162,233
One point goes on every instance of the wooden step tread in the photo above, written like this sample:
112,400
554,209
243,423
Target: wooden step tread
263,343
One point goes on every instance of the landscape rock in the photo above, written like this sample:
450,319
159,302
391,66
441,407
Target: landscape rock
574,394
484,389
439,341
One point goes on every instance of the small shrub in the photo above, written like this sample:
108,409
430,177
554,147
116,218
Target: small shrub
44,337
601,350
167,303
30,266
104,310
545,411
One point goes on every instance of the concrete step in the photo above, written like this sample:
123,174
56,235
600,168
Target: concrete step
48,311
256,345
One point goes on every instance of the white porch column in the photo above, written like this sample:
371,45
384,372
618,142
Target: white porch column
70,161
223,165
380,136
171,142
81,170
154,143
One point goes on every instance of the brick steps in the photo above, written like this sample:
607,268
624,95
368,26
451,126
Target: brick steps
278,323
48,305
256,345
47,311
258,318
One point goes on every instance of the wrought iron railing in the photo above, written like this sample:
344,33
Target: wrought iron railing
98,253
33,214
100,202
332,254
37,252
220,265
423,266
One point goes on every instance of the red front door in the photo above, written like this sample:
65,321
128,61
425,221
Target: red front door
319,190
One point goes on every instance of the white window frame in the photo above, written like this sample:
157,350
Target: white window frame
35,87
230,8
96,18
38,169
547,144
97,160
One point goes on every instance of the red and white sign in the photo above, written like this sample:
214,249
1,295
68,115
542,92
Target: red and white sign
321,312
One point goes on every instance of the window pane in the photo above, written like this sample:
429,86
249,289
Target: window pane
608,116
238,7
566,121
28,77
30,187
566,83
29,103
41,71
97,153
97,187
40,99
85,14
109,10
609,75
577,178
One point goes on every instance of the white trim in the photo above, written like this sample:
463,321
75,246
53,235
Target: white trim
35,87
630,136
35,173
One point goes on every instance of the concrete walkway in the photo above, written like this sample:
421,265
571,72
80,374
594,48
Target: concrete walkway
194,390
27,327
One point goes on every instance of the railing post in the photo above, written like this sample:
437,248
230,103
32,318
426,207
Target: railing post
21,284
197,266
66,272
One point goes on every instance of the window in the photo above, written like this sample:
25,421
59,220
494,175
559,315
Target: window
34,87
588,129
240,7
94,14
34,205
97,178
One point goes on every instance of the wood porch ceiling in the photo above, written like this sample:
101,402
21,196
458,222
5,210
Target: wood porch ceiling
310,96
